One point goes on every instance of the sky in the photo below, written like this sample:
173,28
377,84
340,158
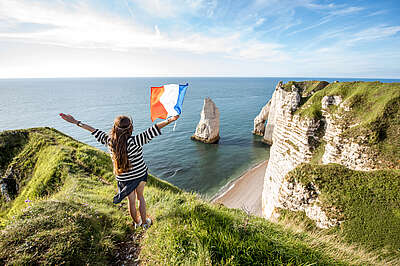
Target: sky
254,38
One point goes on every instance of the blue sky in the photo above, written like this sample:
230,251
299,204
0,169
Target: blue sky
293,38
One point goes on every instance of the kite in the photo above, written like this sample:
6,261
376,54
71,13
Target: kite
167,100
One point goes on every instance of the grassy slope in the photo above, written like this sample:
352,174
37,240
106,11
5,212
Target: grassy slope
368,202
307,88
71,218
375,115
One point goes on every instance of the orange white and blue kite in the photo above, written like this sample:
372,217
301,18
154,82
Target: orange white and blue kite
167,100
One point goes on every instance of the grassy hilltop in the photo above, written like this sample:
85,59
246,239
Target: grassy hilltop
63,213
58,207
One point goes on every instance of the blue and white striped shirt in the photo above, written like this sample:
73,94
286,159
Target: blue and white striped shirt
134,150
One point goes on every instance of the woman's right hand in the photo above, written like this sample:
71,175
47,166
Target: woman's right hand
68,118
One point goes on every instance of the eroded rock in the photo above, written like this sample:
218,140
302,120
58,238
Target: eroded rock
294,141
259,121
9,185
207,130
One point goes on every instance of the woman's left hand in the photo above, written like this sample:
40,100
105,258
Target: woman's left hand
174,118
68,118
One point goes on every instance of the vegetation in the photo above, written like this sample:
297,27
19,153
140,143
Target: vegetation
368,203
63,214
373,119
307,88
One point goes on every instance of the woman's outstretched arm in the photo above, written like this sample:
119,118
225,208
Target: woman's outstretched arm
167,122
72,120
154,131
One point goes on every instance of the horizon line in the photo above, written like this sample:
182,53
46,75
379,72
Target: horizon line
127,77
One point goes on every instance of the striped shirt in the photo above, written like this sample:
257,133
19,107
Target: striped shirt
134,150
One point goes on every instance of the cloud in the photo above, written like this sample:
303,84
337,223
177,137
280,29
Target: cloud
343,11
238,34
267,52
377,13
78,26
175,8
331,11
372,34
342,40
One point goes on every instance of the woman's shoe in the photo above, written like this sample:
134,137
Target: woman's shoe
137,225
148,223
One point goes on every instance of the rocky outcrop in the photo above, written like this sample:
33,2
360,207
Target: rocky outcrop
267,113
293,143
351,153
259,121
9,185
296,139
269,128
295,91
207,130
297,197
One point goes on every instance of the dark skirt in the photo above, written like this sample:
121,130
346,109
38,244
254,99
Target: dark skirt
126,187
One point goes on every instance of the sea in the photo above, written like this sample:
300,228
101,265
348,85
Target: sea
202,168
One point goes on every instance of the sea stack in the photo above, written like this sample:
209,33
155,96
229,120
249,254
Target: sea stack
207,130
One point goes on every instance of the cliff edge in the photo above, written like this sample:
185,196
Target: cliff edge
355,125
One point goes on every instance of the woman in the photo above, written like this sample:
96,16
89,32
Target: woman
127,155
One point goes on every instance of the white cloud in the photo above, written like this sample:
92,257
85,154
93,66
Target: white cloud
343,11
267,52
235,46
174,8
332,12
377,13
78,26
372,34
260,21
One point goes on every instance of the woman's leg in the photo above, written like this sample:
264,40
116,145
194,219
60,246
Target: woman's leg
132,206
142,202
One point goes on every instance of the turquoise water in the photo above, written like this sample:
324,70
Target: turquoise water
190,165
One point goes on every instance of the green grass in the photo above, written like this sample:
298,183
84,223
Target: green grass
71,218
368,203
307,88
368,100
318,153
190,231
374,119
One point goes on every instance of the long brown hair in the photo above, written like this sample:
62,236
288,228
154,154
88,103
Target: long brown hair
119,135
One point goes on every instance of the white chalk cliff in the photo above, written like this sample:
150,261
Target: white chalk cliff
207,130
295,140
259,121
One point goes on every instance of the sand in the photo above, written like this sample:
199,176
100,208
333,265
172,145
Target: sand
245,192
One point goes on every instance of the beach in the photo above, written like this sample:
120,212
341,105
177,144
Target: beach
245,192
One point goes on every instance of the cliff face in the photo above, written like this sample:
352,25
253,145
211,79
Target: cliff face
207,130
350,152
312,124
